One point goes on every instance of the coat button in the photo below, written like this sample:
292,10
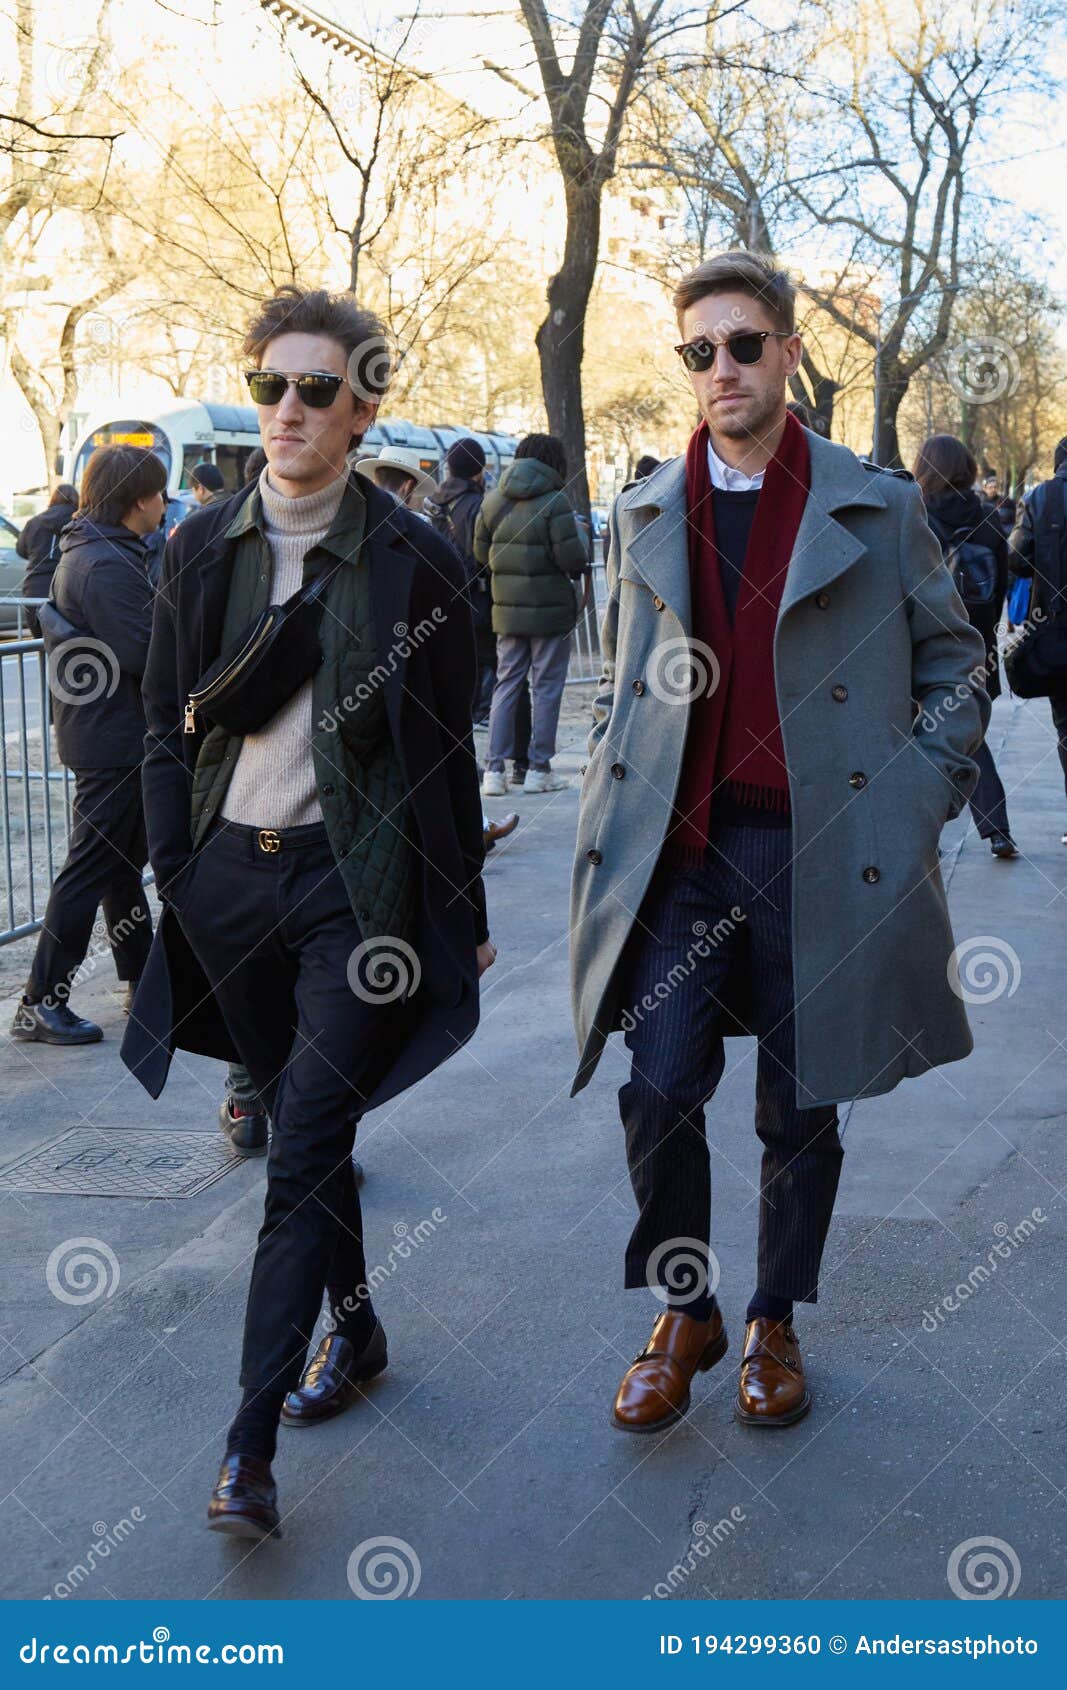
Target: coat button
871,875
328,791
839,693
822,600
858,779
617,771
657,604
639,687
595,857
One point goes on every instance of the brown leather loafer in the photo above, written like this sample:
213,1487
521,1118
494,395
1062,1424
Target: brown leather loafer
332,1378
771,1391
500,830
244,1502
655,1390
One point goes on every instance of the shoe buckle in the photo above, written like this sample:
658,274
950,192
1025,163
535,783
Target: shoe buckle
268,840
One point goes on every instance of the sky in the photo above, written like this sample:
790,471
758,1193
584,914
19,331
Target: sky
1021,163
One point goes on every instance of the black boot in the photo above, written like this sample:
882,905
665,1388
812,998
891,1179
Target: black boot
55,1024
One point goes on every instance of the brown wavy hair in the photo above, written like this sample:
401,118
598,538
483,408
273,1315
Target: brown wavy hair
943,462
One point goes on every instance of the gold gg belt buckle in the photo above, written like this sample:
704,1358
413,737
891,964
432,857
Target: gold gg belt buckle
268,840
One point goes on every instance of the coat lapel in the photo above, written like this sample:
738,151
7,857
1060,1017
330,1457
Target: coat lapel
824,548
657,555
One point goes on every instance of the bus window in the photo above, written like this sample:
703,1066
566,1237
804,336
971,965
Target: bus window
191,456
128,432
231,460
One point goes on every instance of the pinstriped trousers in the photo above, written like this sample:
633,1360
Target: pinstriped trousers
695,926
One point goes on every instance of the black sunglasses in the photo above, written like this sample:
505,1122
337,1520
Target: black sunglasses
744,348
317,389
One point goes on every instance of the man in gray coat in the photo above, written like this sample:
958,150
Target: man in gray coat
788,715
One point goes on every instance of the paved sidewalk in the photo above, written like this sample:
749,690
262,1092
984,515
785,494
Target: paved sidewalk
497,1210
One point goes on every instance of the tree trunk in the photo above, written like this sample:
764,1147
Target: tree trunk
892,387
561,337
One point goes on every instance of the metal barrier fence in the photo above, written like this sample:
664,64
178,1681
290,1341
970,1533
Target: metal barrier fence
35,794
585,641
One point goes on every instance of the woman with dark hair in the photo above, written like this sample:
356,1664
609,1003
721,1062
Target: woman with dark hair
974,547
96,628
527,534
38,543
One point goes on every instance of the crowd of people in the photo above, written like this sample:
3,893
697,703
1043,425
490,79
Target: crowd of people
289,742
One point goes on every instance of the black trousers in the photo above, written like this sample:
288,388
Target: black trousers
104,865
1058,701
275,935
684,945
485,647
989,806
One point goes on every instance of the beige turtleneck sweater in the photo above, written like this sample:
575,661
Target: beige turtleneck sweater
273,782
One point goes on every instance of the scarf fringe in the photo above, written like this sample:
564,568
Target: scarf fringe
759,797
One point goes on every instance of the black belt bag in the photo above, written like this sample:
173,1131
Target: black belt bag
254,677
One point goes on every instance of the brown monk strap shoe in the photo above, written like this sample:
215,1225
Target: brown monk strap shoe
771,1390
655,1390
333,1377
244,1502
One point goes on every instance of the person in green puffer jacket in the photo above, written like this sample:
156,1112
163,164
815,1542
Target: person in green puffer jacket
526,532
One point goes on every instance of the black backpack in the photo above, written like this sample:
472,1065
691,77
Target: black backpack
972,565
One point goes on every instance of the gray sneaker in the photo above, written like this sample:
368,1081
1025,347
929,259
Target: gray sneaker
249,1133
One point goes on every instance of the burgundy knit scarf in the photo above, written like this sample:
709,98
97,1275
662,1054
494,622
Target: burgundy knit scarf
734,738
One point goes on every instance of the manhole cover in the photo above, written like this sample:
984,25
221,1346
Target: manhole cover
86,1162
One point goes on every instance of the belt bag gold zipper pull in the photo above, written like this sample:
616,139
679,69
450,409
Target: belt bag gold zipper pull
190,719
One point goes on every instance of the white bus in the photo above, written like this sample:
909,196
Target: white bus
182,434
187,432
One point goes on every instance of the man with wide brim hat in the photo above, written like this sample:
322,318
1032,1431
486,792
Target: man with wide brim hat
398,469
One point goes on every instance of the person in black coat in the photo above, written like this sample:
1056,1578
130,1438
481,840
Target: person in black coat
1037,552
945,470
453,511
96,629
38,543
318,856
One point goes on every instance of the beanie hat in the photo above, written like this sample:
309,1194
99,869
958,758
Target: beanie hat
208,476
465,459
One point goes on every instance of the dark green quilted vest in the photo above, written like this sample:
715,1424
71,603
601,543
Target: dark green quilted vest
361,786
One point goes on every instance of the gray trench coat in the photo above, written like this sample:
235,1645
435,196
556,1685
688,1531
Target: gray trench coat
873,659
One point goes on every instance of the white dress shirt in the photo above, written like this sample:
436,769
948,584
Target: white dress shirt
730,480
